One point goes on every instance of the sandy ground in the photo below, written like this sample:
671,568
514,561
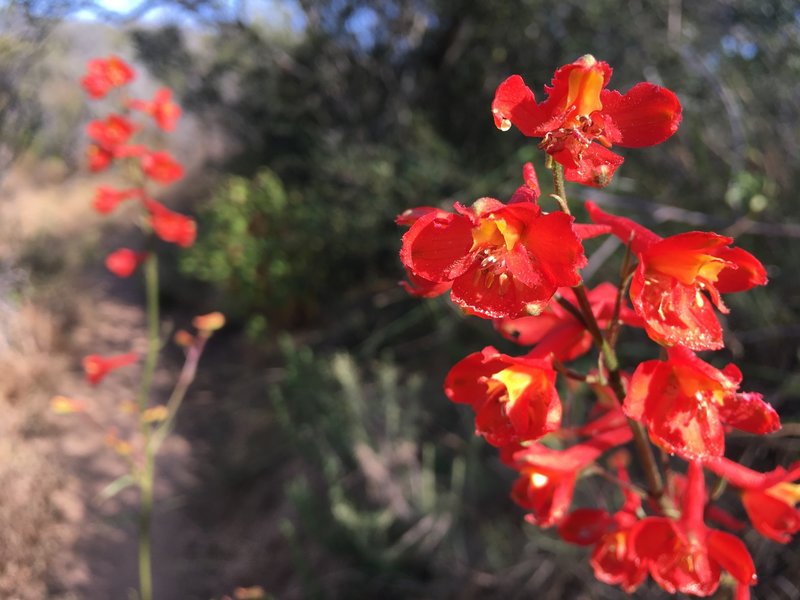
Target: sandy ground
58,304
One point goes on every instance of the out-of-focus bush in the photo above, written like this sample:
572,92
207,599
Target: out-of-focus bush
251,237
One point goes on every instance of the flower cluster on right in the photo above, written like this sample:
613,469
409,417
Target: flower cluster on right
520,266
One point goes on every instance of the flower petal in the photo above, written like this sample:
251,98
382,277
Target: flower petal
437,246
627,230
514,103
646,115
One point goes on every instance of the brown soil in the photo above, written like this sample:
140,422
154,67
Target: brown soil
60,540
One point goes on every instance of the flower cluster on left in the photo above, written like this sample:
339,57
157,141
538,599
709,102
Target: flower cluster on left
126,139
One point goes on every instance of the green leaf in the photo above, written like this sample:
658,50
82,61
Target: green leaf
116,486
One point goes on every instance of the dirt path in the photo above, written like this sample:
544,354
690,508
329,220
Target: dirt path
60,541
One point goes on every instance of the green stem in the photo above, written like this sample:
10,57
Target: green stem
147,474
153,337
655,485
145,527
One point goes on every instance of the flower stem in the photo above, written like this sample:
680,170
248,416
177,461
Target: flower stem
147,473
655,485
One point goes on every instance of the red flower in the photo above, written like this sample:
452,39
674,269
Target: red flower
613,559
514,399
547,477
171,226
768,498
97,367
124,262
105,74
98,158
686,556
557,331
502,260
772,511
161,167
667,290
579,111
112,132
164,111
684,403
107,198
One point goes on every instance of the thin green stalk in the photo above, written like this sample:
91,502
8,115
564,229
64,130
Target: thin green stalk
655,484
153,338
145,527
185,379
147,473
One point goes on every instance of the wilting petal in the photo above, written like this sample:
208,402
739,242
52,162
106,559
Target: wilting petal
594,166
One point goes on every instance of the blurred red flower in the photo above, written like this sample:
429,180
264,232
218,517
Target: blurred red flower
104,74
96,367
164,111
107,198
111,132
171,226
161,167
98,158
124,262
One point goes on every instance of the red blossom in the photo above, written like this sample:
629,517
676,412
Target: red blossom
104,74
98,158
685,555
556,330
684,403
679,280
161,167
768,498
111,132
171,226
106,198
579,111
124,262
547,477
514,399
96,367
502,260
162,109
613,560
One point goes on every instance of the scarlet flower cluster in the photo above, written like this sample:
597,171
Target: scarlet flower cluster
111,141
520,266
